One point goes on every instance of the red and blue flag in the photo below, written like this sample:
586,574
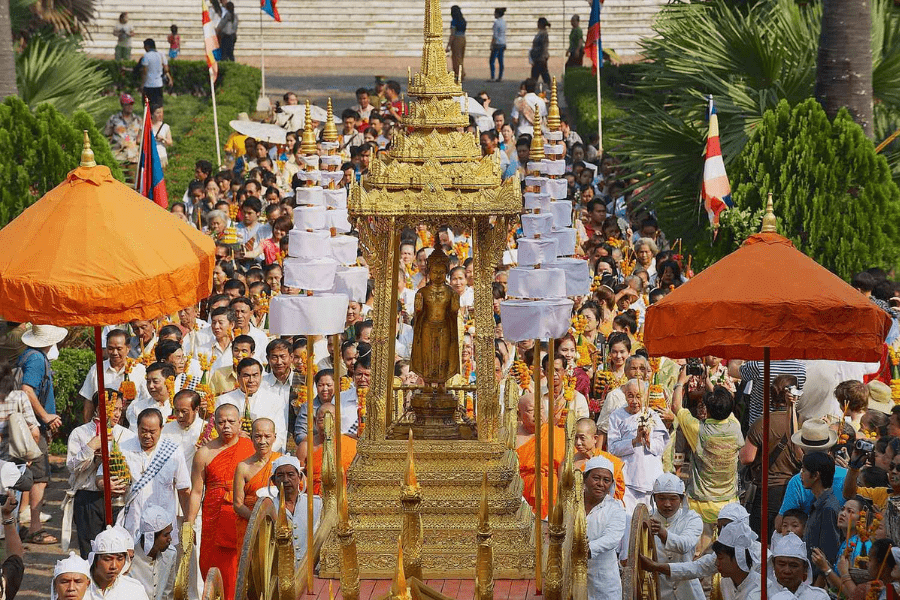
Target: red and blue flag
150,180
270,7
211,43
593,47
716,190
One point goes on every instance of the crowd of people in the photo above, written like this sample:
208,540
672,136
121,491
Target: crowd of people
206,414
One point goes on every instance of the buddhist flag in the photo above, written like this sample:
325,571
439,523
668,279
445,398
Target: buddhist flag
592,45
211,42
150,180
716,191
270,7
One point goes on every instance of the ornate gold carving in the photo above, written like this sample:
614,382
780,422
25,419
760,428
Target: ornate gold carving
399,587
553,579
579,551
308,139
284,545
444,113
484,560
469,173
258,566
553,110
421,145
536,153
349,568
640,584
434,199
330,132
329,469
184,566
412,532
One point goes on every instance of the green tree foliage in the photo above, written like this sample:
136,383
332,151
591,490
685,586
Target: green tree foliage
38,149
834,197
69,371
749,58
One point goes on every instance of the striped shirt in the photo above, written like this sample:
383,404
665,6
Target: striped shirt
753,371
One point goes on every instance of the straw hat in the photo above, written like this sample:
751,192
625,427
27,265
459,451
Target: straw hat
42,336
815,434
880,397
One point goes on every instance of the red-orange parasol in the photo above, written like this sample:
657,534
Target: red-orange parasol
94,252
765,301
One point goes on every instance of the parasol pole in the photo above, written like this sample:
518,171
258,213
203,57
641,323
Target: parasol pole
212,88
551,411
104,434
764,505
310,467
336,367
538,500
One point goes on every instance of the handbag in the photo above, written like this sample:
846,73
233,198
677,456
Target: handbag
21,443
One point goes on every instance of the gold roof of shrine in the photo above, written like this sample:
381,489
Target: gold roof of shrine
434,168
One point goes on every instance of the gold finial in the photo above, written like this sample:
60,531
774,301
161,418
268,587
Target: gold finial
330,133
537,141
87,155
330,591
344,514
484,557
399,589
308,141
769,222
483,524
553,111
410,476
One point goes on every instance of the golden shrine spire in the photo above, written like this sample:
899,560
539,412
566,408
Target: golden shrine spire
553,110
330,133
399,588
308,140
434,79
536,154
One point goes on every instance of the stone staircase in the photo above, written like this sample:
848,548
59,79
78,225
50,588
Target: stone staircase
369,28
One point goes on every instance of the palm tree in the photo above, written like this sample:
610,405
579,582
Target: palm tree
844,67
7,54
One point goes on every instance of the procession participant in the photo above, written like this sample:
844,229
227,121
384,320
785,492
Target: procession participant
817,476
253,473
71,579
362,373
640,445
242,308
561,405
324,382
114,372
281,378
789,563
195,331
287,472
218,349
157,394
525,449
144,339
225,379
169,350
677,530
715,443
587,447
255,401
109,559
159,473
82,459
736,563
605,528
212,478
348,449
154,564
636,367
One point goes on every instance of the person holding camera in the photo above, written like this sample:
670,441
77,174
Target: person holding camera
862,449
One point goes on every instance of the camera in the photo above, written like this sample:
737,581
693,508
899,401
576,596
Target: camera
865,446
695,367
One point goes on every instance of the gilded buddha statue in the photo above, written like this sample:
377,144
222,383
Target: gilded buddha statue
435,354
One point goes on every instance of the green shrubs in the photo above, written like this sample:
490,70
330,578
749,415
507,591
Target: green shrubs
38,149
580,88
69,371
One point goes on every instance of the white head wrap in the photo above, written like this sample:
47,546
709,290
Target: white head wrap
668,483
71,564
734,512
153,520
789,546
739,536
285,460
601,462
109,541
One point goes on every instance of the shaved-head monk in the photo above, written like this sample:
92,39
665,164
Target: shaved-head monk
253,473
525,446
587,437
213,468
348,448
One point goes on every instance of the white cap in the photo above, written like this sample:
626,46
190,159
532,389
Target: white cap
109,541
599,462
286,460
734,512
71,564
153,519
668,483
790,546
739,536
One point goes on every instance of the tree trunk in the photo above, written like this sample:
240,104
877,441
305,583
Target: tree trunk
7,54
844,66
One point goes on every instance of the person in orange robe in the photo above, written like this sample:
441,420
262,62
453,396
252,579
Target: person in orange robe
213,467
253,473
587,446
348,448
525,448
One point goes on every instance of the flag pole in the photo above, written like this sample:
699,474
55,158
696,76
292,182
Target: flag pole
262,53
212,87
599,111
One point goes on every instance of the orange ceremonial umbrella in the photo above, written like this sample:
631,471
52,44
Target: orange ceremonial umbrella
93,251
765,301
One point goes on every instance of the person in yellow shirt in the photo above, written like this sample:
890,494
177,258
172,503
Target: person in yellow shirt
224,379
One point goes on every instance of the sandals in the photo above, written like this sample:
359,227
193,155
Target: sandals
41,538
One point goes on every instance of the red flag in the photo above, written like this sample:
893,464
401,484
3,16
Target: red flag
592,45
150,180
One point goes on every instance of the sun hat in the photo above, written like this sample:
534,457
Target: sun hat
880,397
42,336
815,434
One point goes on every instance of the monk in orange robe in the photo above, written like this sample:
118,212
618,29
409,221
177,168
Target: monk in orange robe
348,449
525,448
253,473
214,466
587,446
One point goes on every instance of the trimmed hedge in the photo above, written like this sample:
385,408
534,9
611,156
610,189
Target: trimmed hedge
188,76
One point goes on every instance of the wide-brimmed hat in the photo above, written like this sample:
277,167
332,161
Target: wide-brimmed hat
42,336
880,397
815,434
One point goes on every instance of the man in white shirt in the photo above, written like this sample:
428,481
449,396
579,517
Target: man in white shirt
522,113
109,560
262,401
638,437
83,504
154,554
154,70
197,333
116,368
362,373
218,351
790,566
281,378
636,367
287,472
159,473
251,228
157,394
144,339
242,308
741,579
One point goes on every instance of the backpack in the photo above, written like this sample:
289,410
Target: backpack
46,381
